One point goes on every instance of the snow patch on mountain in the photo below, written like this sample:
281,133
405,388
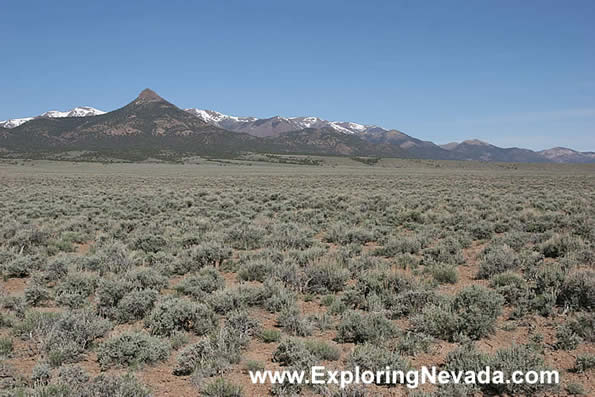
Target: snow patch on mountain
277,124
79,111
12,123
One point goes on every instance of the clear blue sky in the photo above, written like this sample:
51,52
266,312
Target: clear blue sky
514,73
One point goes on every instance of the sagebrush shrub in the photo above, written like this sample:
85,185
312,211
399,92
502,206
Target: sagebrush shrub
149,243
346,234
270,335
67,335
197,355
323,350
447,251
6,347
559,245
146,278
204,282
113,257
477,308
74,290
444,274
481,230
20,267
41,373
245,236
578,291
440,321
174,314
132,348
583,324
507,360
278,297
325,277
363,263
516,358
241,327
221,387
359,327
292,321
304,257
109,385
471,313
412,343
72,375
289,236
412,301
548,281
566,338
584,363
403,245
369,357
465,358
135,305
497,259
36,294
256,270
511,286
108,294
237,297
293,352
56,268
385,284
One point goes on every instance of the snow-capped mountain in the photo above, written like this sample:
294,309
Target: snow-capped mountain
274,126
79,111
12,123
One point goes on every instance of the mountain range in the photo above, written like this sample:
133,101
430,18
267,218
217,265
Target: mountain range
150,124
80,111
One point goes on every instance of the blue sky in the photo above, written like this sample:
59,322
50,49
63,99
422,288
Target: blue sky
508,72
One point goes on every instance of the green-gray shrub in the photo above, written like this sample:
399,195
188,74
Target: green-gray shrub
359,327
132,348
497,259
206,281
135,305
293,352
369,357
292,321
174,314
325,277
198,355
471,313
584,363
221,387
578,291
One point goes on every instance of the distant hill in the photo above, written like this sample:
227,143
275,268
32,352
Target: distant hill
150,124
478,150
565,155
329,141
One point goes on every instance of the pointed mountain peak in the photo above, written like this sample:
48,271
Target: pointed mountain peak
148,95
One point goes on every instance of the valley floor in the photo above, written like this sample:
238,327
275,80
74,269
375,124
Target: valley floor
186,274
